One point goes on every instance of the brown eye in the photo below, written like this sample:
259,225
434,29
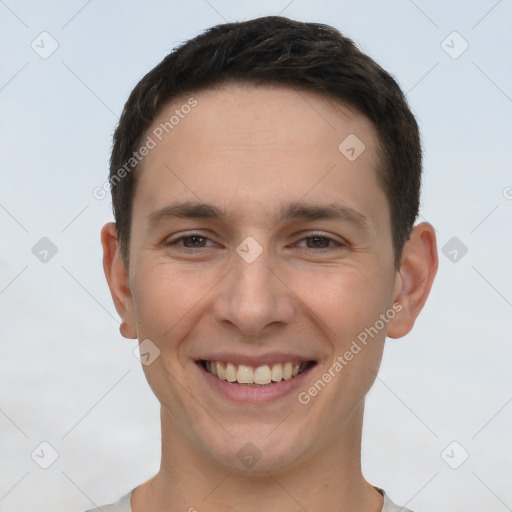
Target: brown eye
193,241
319,242
190,241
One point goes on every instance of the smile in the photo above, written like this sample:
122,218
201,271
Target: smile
264,375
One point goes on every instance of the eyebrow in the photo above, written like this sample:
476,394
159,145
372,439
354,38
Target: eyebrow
288,211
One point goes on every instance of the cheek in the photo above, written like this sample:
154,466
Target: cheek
160,300
350,303
166,303
347,299
353,307
168,298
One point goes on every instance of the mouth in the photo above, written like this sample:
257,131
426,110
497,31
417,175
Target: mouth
265,375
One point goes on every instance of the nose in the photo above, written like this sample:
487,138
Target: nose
253,299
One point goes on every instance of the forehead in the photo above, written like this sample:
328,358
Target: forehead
263,114
264,143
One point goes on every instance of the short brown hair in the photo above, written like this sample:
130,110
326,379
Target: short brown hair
280,51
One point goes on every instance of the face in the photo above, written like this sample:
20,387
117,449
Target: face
261,253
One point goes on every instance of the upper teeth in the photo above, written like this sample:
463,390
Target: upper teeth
263,374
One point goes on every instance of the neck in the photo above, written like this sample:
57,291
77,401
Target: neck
331,479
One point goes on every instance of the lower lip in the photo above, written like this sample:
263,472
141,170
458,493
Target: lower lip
241,393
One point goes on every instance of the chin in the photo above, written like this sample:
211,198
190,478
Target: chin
255,454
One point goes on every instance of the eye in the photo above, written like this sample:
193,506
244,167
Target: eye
318,242
321,242
190,241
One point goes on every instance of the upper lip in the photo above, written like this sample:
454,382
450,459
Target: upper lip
256,360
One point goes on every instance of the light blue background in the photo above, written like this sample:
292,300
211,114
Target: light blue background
67,377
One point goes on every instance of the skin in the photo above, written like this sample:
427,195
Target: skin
247,150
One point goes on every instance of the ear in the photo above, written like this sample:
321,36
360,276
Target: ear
414,278
118,280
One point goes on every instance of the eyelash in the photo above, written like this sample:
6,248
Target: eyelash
174,242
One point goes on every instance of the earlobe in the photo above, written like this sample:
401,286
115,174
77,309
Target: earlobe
414,278
118,280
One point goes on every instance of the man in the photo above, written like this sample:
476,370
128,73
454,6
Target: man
265,180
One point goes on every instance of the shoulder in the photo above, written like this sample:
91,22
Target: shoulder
389,506
123,505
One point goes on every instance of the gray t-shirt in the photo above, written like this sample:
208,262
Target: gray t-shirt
123,505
